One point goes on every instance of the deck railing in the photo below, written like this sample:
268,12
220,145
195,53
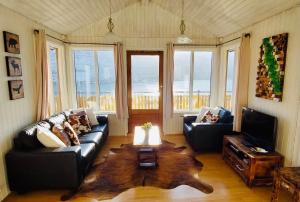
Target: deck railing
145,100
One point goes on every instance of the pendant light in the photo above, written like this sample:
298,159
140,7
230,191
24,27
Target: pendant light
182,38
110,36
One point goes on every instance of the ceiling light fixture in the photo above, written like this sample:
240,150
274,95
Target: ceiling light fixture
110,36
182,38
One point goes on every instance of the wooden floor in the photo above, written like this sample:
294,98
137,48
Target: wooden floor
228,187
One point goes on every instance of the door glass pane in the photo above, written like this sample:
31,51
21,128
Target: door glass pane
106,80
229,79
182,64
54,77
201,82
85,76
145,81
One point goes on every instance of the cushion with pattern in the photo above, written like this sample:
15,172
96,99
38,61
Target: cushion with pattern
71,133
209,117
79,122
58,130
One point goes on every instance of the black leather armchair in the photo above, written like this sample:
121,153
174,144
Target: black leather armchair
32,166
207,137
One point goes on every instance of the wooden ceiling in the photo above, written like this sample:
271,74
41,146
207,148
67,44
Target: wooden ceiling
216,17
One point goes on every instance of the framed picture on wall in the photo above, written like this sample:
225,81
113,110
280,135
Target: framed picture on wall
271,67
13,66
16,89
11,42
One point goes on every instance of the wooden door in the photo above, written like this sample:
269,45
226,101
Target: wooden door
145,85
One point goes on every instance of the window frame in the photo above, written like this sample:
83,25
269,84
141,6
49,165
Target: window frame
93,48
226,74
213,78
59,51
223,73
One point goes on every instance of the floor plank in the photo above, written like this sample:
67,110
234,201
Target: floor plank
228,187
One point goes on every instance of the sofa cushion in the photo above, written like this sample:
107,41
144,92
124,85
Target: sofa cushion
209,117
80,122
58,130
225,116
99,128
95,137
56,119
48,139
71,133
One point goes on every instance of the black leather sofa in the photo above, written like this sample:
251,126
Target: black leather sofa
207,137
32,166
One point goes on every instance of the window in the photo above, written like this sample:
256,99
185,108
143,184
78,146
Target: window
54,76
192,77
229,79
95,79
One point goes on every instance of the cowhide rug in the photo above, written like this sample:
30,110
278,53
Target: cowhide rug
119,172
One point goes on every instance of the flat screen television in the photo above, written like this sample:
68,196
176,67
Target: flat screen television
258,129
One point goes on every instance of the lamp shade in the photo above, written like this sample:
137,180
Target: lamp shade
111,37
183,39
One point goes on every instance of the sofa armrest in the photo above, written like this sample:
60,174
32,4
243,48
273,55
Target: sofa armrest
44,168
102,119
189,118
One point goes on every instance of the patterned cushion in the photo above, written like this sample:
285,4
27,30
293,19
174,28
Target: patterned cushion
79,122
58,130
209,117
71,133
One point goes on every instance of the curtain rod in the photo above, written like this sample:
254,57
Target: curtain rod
179,44
220,44
246,35
81,43
107,44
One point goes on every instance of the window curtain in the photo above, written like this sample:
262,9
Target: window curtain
169,82
120,94
42,74
241,90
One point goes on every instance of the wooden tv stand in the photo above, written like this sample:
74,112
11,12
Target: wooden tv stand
255,169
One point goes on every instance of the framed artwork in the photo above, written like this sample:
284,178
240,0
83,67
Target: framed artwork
11,42
271,67
13,66
16,89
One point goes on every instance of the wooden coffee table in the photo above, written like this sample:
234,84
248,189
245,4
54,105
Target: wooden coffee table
146,144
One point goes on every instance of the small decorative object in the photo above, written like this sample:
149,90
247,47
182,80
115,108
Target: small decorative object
147,125
16,89
11,42
14,66
271,67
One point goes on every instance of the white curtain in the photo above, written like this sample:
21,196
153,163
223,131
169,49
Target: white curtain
120,94
241,90
42,79
169,82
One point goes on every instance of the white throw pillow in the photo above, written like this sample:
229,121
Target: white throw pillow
215,111
90,113
201,114
92,117
48,139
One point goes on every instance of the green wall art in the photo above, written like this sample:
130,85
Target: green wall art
271,67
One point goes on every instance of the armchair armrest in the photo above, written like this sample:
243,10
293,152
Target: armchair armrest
44,168
189,118
102,119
